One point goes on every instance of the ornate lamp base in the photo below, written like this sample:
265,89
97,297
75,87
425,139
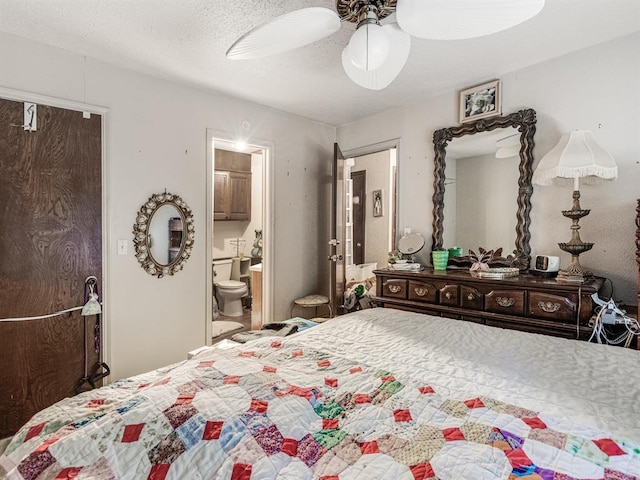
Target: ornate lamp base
574,273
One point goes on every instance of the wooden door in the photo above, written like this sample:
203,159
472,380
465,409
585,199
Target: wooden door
50,242
359,214
337,273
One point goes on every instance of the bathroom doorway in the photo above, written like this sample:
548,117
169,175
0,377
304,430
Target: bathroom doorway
239,233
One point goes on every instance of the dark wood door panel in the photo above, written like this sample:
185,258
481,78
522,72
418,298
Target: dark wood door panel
50,241
359,197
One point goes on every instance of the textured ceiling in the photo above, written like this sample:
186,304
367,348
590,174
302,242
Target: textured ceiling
186,40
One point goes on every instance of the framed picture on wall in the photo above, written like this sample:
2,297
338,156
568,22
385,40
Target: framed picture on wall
480,101
377,203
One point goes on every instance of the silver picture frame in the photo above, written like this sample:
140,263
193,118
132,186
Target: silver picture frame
481,101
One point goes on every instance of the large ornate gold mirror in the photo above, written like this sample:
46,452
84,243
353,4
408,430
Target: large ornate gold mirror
500,192
163,234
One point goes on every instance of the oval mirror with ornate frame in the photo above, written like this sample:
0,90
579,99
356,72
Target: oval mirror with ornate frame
524,121
178,228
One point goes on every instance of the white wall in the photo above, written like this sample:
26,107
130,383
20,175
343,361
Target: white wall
156,139
594,89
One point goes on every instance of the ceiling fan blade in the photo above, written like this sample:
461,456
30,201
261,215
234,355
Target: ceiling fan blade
287,32
461,19
399,46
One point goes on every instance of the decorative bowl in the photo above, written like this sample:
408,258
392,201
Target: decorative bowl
497,273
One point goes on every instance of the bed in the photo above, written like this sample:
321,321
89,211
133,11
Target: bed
375,394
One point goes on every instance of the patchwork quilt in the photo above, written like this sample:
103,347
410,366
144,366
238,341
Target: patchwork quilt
284,409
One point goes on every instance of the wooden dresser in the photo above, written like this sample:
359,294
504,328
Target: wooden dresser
525,302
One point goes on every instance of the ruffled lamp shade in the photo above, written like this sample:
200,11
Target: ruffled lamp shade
576,156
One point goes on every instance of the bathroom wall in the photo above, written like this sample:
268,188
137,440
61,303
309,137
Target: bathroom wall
226,232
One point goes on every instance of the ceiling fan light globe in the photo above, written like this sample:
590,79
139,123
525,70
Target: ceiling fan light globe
368,47
399,47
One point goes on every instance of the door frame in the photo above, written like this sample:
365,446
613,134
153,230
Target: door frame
22,96
268,222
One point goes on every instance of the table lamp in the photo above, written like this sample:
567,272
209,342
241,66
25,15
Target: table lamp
576,156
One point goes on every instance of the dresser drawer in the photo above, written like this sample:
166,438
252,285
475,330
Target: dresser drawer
471,297
422,292
509,302
449,295
394,288
553,307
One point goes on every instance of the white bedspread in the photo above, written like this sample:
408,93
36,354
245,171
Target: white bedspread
595,384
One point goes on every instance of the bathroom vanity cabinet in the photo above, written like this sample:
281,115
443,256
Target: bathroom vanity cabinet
525,302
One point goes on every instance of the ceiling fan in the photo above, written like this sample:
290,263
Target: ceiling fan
379,48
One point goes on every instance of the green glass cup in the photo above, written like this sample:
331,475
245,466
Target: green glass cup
439,259
455,252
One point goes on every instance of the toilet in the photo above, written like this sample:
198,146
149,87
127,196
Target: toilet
229,293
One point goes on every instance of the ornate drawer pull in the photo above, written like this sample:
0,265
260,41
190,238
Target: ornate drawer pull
471,296
505,301
420,291
395,288
549,307
448,295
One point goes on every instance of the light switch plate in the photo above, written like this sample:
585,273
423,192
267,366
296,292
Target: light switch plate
122,247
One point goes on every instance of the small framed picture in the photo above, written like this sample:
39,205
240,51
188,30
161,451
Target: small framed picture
480,101
377,203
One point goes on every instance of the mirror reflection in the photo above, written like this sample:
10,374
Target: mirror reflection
369,213
481,190
165,234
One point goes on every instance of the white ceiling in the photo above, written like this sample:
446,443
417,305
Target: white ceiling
186,40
